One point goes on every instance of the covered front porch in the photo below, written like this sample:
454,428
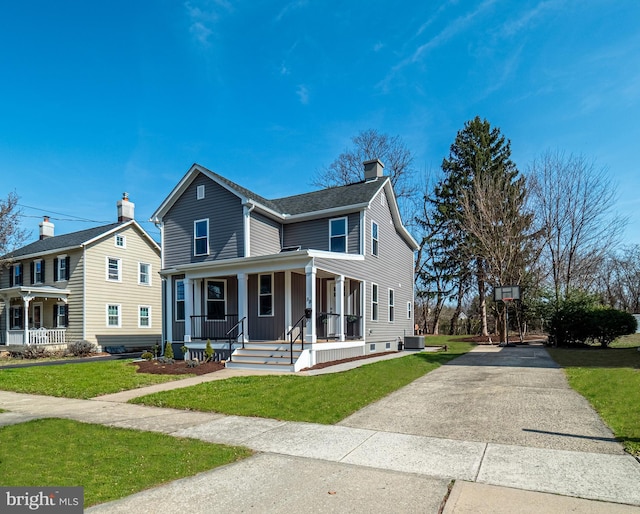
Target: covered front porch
34,315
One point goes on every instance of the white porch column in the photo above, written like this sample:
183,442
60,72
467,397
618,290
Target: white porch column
188,308
168,308
310,272
340,306
363,310
198,288
26,300
7,317
243,303
288,314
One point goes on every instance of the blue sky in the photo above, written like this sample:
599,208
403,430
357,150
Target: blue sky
98,98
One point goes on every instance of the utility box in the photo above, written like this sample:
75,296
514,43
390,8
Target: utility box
414,342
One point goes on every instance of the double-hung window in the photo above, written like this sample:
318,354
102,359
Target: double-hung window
114,269
201,237
113,315
179,299
60,318
216,301
374,302
392,313
16,318
16,275
38,271
61,268
265,295
144,316
338,235
374,238
144,274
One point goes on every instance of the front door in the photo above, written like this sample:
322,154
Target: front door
332,321
36,315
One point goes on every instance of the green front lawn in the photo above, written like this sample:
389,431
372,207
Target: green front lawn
610,380
84,380
110,463
316,399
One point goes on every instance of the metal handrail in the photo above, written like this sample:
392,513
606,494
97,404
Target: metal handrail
302,322
241,333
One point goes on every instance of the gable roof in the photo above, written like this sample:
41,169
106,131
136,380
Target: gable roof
72,240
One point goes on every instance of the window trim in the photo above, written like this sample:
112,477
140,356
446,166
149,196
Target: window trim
119,307
35,272
140,282
200,192
195,238
61,261
345,235
409,310
64,315
119,237
375,302
176,299
19,310
14,268
119,261
270,294
140,307
375,240
391,307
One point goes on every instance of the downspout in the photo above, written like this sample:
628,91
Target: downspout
164,283
248,207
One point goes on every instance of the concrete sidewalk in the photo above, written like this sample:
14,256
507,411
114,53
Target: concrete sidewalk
378,461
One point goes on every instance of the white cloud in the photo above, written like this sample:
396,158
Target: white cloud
203,15
303,94
291,6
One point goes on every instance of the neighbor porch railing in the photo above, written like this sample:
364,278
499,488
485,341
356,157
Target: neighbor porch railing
47,336
202,327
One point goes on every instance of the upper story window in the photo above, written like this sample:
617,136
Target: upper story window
374,238
121,241
179,299
338,235
392,306
61,268
200,192
201,237
114,269
144,275
16,277
37,272
374,302
265,295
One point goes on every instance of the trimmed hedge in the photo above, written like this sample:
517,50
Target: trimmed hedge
575,324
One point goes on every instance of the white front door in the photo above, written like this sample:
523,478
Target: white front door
332,321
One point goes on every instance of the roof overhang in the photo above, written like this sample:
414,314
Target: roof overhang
35,292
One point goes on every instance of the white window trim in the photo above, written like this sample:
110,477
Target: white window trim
270,294
409,310
124,241
119,306
195,222
376,239
35,273
200,192
58,324
62,259
176,300
148,274
375,302
391,307
109,279
14,268
148,307
206,298
346,233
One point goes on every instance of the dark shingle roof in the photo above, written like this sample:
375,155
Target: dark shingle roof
62,241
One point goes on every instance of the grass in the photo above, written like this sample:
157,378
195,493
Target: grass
610,380
84,380
323,399
108,462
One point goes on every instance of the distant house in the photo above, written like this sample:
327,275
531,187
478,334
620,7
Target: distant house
99,284
243,271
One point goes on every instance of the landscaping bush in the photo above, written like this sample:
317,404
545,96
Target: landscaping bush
34,352
81,348
609,324
574,323
208,351
147,356
168,351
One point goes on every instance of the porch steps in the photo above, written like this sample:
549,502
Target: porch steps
270,356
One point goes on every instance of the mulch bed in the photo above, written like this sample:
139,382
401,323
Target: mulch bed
177,368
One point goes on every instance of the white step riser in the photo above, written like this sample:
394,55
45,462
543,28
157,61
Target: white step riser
263,367
265,360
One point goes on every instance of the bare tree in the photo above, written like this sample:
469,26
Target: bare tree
11,235
574,205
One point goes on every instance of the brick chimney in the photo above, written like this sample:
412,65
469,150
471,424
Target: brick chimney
46,228
372,170
125,209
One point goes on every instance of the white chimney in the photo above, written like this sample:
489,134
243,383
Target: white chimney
372,169
46,228
125,209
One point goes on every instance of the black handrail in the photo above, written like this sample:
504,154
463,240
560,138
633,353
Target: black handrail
241,333
302,322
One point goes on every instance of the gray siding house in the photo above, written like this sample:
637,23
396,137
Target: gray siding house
292,281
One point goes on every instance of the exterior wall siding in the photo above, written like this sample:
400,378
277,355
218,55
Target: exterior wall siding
265,235
267,328
314,234
224,211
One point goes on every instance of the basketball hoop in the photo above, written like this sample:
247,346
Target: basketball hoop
507,300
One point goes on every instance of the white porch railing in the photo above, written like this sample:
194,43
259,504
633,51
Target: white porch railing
47,336
15,337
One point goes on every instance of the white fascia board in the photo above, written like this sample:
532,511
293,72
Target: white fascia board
108,233
322,254
395,214
37,255
291,218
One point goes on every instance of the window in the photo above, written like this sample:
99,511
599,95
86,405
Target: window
338,235
216,300
179,310
113,315
392,314
144,316
201,237
60,318
121,241
265,295
113,269
374,302
409,307
200,192
16,318
374,238
61,268
16,275
38,272
144,276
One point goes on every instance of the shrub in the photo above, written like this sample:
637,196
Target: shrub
208,351
168,351
34,352
81,348
609,324
147,356
579,324
166,360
